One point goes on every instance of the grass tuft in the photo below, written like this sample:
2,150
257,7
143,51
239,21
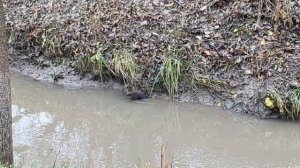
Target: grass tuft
170,72
99,62
276,101
95,63
123,65
294,98
289,108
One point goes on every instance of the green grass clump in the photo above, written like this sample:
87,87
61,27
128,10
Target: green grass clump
275,101
289,107
294,98
99,62
170,73
124,66
95,63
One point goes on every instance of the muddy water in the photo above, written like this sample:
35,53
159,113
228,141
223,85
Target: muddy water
101,128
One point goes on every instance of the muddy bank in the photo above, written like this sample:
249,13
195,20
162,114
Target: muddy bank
59,74
66,76
227,53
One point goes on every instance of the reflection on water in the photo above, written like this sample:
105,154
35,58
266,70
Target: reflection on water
101,128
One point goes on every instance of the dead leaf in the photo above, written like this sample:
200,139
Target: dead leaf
206,52
270,33
203,8
262,42
156,2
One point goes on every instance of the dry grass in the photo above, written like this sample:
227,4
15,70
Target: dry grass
281,9
200,80
283,14
124,66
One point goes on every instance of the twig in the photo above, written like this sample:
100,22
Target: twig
54,164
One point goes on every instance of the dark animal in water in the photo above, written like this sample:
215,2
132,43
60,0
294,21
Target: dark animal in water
136,95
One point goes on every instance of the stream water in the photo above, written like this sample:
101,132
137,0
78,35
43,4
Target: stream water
102,128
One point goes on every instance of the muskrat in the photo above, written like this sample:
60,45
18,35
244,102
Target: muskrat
137,95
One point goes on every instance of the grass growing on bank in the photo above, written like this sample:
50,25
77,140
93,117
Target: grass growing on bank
124,66
294,98
275,100
96,63
170,73
289,107
99,62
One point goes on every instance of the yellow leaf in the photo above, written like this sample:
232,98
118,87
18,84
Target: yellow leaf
263,42
269,103
235,30
270,33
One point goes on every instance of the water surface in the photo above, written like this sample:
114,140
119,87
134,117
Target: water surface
102,128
